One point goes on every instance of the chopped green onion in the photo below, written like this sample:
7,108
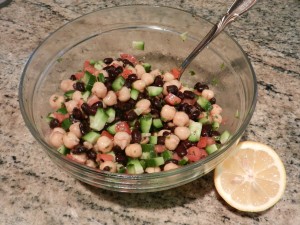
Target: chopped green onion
139,45
192,73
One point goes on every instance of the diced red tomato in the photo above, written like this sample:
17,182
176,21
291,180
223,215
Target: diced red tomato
90,68
176,72
194,154
60,117
107,134
79,75
172,99
189,101
104,157
159,148
202,143
131,58
210,141
126,73
123,126
176,156
92,99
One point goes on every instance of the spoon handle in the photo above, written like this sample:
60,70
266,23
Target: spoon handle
236,9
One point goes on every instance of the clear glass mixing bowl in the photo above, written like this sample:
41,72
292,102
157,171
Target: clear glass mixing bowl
109,32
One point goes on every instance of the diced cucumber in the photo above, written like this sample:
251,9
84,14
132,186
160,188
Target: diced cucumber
139,45
145,155
183,161
66,123
120,168
138,111
215,125
89,80
147,147
146,122
63,150
98,121
134,167
147,67
157,123
154,162
92,62
118,83
101,78
154,90
99,65
62,110
204,103
112,129
195,129
167,155
143,163
111,115
69,94
204,120
211,148
224,137
91,137
153,140
86,95
134,94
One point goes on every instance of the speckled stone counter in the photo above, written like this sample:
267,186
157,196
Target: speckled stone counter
34,191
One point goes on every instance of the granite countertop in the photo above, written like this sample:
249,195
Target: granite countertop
34,191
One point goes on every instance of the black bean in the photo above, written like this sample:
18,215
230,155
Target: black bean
172,89
206,130
111,71
84,127
188,144
161,140
181,150
131,115
117,149
200,87
79,149
180,95
182,106
213,100
141,96
166,133
86,108
79,86
132,77
158,81
137,125
77,114
136,136
132,102
119,70
72,77
97,105
156,103
107,168
121,158
189,94
175,161
155,113
125,62
128,83
54,123
108,60
215,133
123,106
91,154
195,114
189,109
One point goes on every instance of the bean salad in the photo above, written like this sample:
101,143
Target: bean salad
122,116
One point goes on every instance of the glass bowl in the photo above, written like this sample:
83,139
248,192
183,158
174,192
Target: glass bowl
109,32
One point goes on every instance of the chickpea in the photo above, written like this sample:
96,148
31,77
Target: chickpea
124,94
99,89
56,101
152,169
155,72
144,105
110,99
56,137
168,77
167,112
87,144
208,94
104,144
70,140
217,118
140,70
148,78
171,142
139,85
134,150
216,109
161,132
205,115
182,132
181,119
81,158
77,96
91,163
122,139
67,85
108,164
118,63
172,82
74,128
70,105
170,166
145,140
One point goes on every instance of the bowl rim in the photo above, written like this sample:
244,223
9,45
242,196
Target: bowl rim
192,166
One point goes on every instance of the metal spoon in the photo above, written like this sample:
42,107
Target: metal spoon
236,9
